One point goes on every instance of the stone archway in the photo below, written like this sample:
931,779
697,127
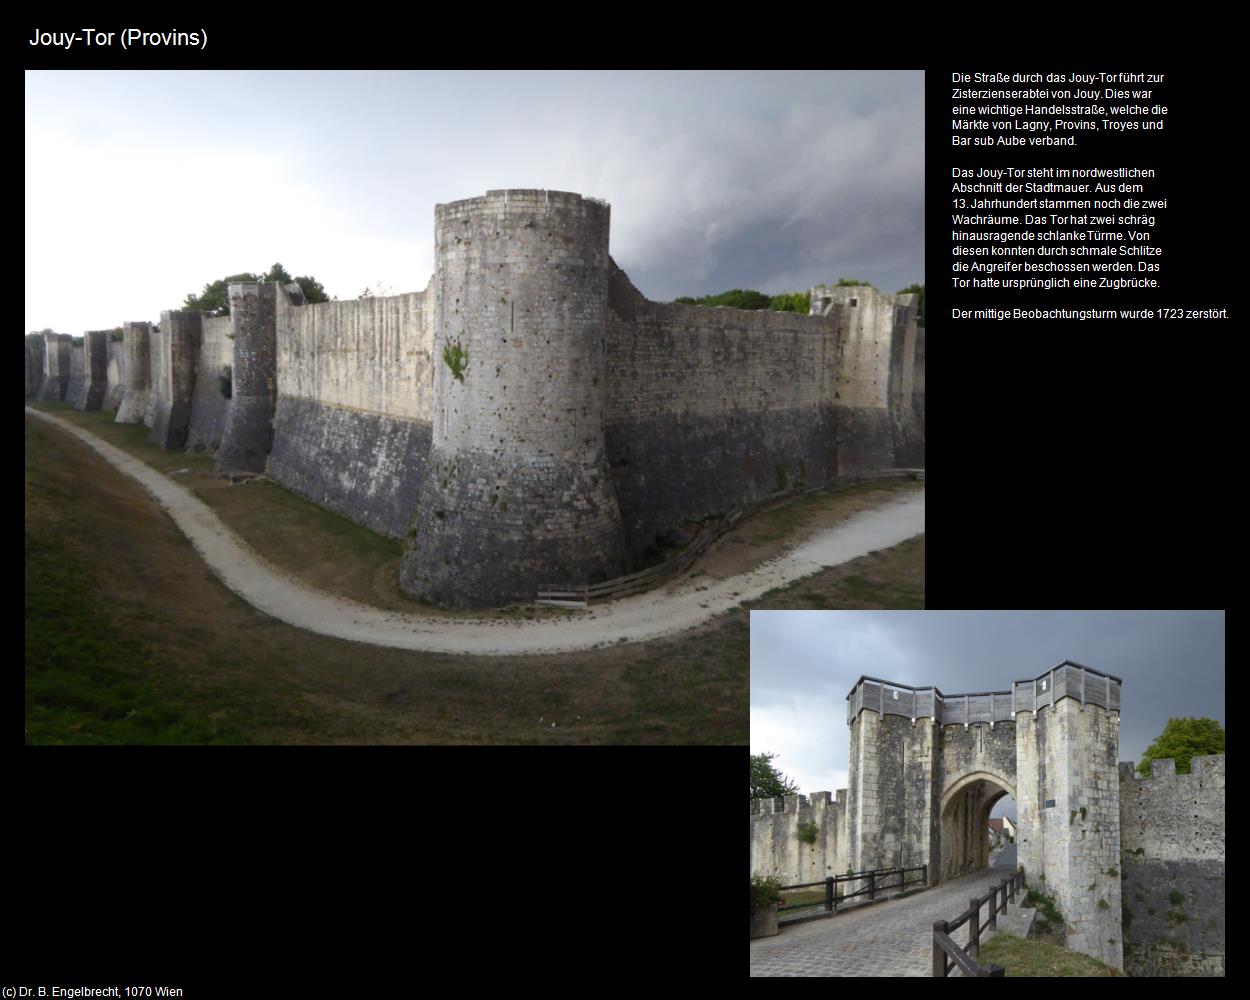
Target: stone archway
964,817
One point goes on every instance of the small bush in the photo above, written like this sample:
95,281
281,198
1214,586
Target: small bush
765,890
1103,904
808,832
1113,872
1175,898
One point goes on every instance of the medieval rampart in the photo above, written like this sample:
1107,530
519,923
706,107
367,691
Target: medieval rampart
797,839
926,768
352,429
530,418
212,373
707,409
1172,868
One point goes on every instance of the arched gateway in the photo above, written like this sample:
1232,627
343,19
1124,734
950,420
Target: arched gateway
927,767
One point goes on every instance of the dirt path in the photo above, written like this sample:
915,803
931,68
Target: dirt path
680,605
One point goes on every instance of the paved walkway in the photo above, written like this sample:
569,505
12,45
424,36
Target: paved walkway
887,939
679,605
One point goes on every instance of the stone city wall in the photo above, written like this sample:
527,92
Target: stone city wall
89,370
1172,868
56,361
777,849
137,372
115,380
174,377
707,409
530,418
208,400
35,347
77,386
352,428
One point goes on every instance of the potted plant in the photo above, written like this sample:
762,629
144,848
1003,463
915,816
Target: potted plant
765,897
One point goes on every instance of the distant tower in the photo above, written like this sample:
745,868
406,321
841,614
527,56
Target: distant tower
516,491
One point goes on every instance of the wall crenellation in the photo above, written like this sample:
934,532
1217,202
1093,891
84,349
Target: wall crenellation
1173,868
530,417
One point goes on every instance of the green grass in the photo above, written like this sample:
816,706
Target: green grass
1037,958
124,616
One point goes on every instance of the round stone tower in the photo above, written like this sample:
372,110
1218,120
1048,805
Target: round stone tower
516,490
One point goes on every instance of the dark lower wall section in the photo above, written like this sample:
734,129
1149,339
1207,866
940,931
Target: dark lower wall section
365,466
683,468
1173,917
490,529
865,440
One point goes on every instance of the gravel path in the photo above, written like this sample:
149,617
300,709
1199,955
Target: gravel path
679,605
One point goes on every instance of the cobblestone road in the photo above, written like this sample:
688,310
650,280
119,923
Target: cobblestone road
888,939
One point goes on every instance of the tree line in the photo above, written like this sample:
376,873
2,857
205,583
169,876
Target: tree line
796,302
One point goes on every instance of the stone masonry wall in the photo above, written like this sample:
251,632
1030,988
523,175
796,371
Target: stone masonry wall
34,364
174,385
775,845
89,394
1172,868
56,360
352,427
978,765
115,382
892,799
76,389
136,337
208,403
516,493
247,437
1066,754
707,409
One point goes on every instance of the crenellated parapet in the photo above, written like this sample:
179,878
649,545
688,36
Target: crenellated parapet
1172,866
799,838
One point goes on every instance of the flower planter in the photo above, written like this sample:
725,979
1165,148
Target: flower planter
764,922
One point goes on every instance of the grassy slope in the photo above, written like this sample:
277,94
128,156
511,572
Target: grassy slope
131,639
1037,958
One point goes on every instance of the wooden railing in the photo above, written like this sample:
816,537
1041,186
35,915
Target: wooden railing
965,958
878,882
580,595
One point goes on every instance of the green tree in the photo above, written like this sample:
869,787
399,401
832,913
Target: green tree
312,288
737,298
766,781
796,302
1183,740
847,282
919,305
278,275
215,300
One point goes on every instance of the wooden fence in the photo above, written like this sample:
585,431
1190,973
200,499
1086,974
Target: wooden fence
878,880
965,958
581,595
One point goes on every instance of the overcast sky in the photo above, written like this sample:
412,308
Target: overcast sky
144,186
804,663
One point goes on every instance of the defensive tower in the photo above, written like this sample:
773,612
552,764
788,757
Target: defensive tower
136,339
516,492
247,437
